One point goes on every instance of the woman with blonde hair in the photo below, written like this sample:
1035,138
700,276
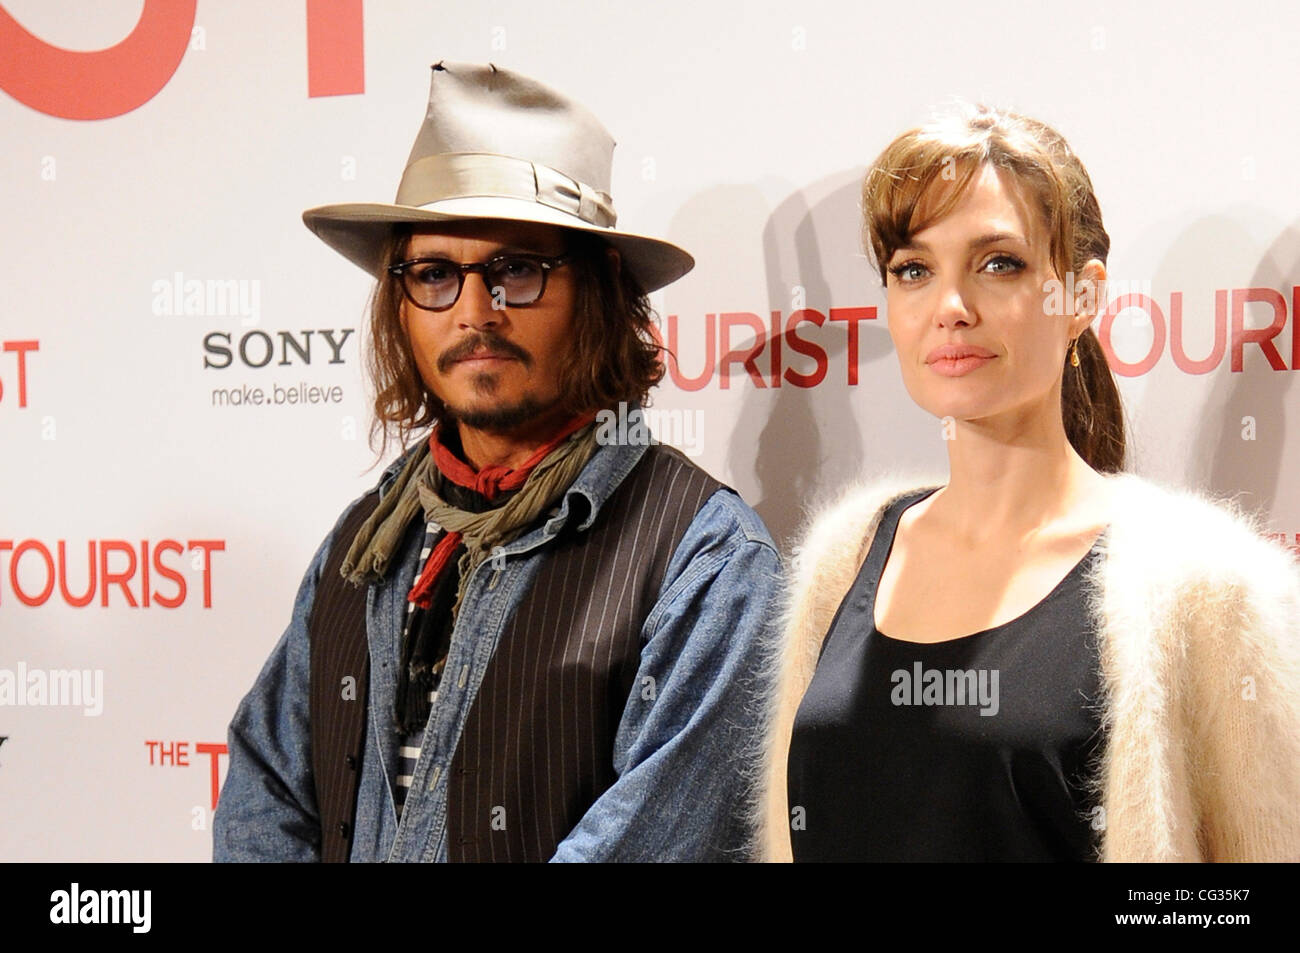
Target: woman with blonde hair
1044,658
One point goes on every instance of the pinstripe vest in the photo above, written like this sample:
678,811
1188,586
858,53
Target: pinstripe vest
536,748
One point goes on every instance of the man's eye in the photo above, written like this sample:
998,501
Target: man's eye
433,273
516,268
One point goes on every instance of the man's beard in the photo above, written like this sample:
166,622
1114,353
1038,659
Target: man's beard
502,418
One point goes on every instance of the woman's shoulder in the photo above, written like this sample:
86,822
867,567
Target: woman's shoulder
1203,618
838,530
1185,534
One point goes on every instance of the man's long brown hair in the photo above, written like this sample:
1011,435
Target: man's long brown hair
615,352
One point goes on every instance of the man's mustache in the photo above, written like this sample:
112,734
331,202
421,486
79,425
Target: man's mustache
482,343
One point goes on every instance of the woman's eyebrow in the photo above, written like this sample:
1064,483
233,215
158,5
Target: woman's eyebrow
992,238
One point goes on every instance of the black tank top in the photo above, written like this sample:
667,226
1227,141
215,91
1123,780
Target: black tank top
974,749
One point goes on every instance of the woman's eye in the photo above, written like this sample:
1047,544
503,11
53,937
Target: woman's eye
1004,265
908,271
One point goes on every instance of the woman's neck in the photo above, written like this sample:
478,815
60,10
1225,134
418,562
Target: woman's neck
1009,478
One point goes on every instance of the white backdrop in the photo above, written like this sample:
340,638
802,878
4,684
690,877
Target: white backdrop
743,130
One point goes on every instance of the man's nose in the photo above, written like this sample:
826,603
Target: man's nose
480,305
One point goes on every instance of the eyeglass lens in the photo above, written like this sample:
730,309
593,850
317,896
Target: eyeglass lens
437,284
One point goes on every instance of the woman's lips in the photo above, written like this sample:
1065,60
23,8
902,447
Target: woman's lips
957,366
955,360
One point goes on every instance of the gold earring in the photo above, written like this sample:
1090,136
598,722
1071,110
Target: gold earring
1074,353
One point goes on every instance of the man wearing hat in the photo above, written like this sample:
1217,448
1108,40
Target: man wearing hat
537,637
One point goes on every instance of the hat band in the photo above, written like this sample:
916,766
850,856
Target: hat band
461,175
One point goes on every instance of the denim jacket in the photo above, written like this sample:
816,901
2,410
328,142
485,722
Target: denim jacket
683,764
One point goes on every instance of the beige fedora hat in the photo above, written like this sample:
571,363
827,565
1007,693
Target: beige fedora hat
498,145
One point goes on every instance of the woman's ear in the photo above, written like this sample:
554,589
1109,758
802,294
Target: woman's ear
616,257
1089,296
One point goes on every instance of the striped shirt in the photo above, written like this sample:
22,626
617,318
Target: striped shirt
408,752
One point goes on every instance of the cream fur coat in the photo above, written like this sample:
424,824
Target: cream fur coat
1200,657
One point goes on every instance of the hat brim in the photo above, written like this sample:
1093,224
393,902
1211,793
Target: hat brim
358,231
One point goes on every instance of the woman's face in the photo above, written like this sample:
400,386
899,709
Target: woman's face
971,321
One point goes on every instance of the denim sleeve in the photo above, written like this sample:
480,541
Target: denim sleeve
267,807
685,747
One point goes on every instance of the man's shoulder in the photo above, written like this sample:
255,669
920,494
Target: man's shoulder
721,511
716,518
362,505
663,468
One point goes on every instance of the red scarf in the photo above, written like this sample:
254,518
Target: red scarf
488,482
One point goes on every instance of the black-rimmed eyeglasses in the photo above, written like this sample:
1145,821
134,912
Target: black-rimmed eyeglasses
435,284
